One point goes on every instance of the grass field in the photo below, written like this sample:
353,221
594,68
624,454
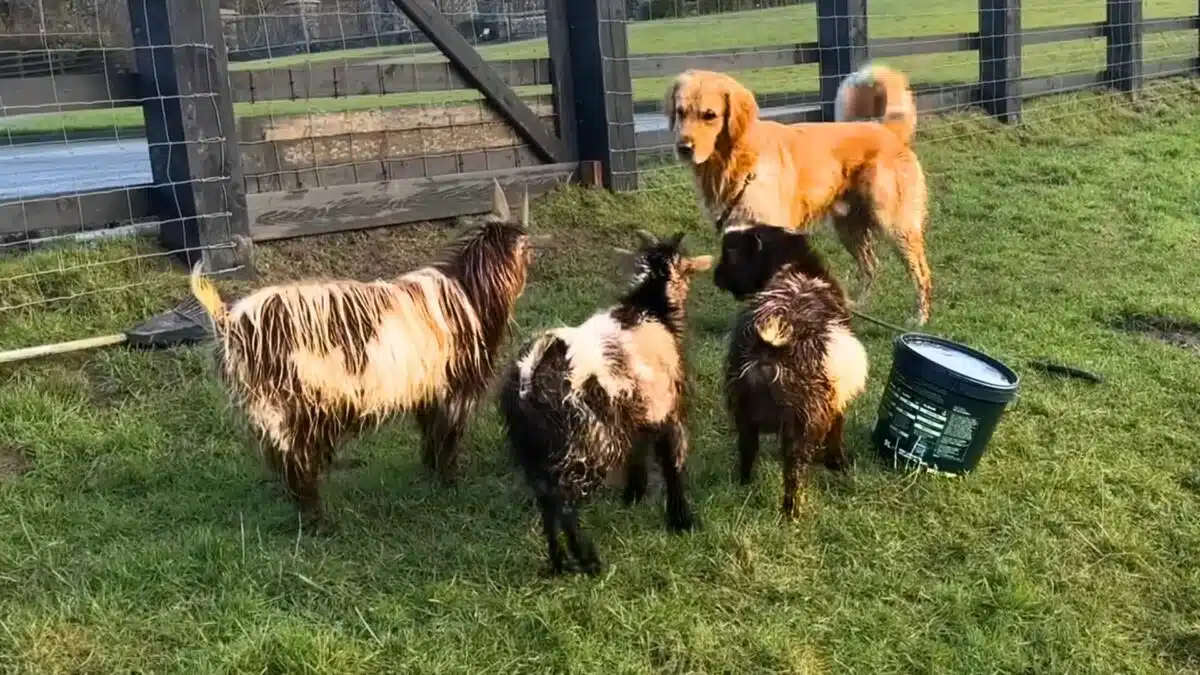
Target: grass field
888,18
138,535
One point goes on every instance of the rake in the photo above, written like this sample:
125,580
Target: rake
186,323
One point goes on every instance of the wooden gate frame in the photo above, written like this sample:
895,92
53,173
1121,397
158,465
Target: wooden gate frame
593,95
442,33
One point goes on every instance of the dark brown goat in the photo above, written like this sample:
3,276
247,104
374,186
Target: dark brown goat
793,365
314,361
583,402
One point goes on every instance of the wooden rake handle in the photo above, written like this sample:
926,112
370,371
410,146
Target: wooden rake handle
61,348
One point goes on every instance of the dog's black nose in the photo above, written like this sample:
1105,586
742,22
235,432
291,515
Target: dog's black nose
684,149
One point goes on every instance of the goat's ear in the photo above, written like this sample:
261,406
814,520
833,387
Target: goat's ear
699,263
741,110
645,238
525,209
500,202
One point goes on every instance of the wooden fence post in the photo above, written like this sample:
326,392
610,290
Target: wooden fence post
1124,28
841,45
558,41
593,89
1000,59
190,129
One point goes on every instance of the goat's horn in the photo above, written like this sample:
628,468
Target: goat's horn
525,209
647,238
500,202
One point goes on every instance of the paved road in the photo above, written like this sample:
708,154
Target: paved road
81,166
57,168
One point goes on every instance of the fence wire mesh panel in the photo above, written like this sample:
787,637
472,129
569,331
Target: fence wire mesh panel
336,93
967,59
82,204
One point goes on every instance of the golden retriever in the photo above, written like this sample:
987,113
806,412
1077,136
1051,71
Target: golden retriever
863,175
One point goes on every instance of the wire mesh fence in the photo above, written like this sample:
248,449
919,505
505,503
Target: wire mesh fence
340,93
775,50
325,93
391,107
72,168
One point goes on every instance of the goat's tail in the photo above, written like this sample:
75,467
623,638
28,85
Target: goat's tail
773,328
206,294
877,92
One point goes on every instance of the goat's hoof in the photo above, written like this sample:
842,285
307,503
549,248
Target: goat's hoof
447,478
790,510
592,567
634,496
684,522
348,463
318,526
839,464
552,570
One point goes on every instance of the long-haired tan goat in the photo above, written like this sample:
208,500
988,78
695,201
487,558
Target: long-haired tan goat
313,361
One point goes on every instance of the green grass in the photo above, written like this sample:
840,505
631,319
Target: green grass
888,18
143,539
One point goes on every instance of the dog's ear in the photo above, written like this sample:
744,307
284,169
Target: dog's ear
671,100
741,110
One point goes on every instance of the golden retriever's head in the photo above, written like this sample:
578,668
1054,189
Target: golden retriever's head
708,112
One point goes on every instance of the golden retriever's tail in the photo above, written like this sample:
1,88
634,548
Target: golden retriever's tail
208,297
877,92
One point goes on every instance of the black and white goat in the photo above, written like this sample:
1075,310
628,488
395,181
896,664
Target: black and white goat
583,402
793,365
311,362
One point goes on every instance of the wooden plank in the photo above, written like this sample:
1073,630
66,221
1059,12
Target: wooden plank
336,139
1170,67
366,170
442,33
1125,45
923,44
558,41
1000,58
88,210
661,142
1060,84
1168,25
1082,31
842,39
56,93
191,132
282,215
321,80
743,58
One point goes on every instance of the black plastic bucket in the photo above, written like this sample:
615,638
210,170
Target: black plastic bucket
942,402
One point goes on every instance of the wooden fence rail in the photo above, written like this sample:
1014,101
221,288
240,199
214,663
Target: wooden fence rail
276,177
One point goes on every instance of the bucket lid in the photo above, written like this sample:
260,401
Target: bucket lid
965,363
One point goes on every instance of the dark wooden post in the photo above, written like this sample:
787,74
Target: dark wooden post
841,45
1000,58
558,39
1124,28
592,84
198,186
